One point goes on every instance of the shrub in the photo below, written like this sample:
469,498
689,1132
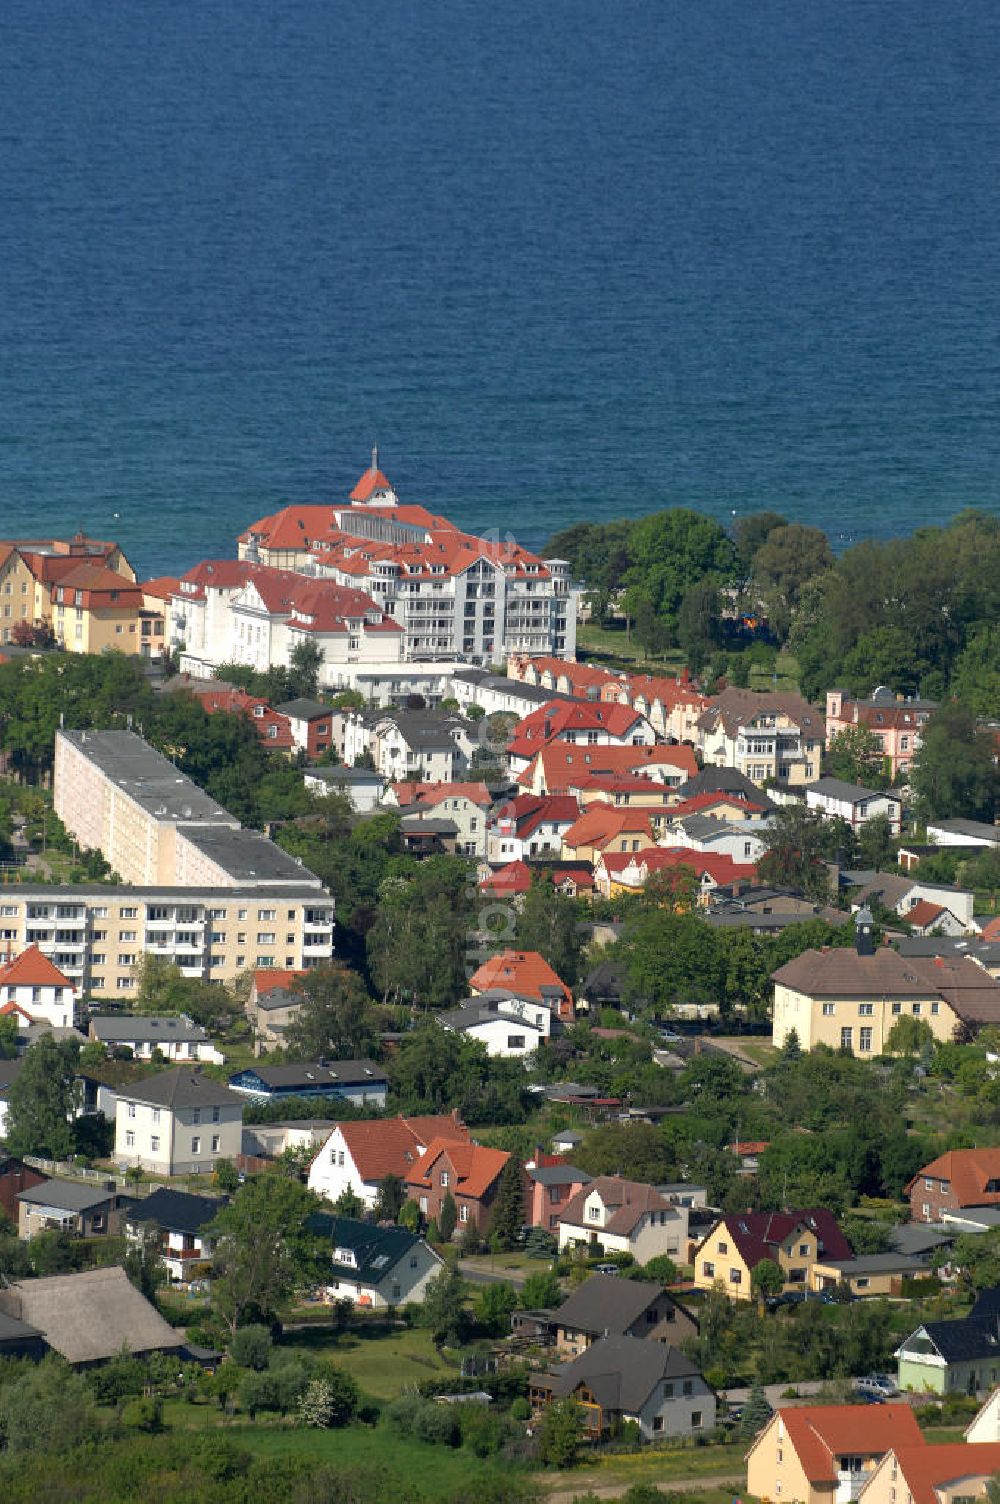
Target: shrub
251,1347
520,1410
145,1414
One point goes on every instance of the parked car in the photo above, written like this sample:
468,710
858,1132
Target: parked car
879,1386
606,1269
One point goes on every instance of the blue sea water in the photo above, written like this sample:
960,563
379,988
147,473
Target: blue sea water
563,260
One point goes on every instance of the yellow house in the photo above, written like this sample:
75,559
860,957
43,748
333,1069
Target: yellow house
850,1000
794,1240
949,1474
95,610
604,828
868,1274
823,1454
31,569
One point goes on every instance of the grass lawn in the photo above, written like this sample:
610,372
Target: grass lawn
609,648
512,1263
384,1363
787,670
656,1467
433,1471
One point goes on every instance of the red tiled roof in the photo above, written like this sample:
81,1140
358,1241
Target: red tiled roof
969,1171
554,721
700,802
924,913
926,1468
561,764
601,823
433,793
371,481
522,971
32,969
475,1168
266,979
164,586
822,1433
392,1146
510,880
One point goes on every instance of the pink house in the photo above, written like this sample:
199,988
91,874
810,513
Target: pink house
551,1184
896,722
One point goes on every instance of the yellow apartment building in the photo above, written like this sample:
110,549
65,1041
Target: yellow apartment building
96,933
850,1000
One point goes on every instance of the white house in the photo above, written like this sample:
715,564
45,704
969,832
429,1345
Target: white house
963,833
37,989
746,841
624,1216
363,787
836,800
376,1267
177,1039
415,745
508,1025
357,1156
179,1223
177,1123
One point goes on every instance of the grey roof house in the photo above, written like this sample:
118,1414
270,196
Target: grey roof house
84,1211
179,1122
177,1039
376,1267
625,1379
358,1081
179,1223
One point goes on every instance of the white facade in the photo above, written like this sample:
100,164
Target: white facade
841,803
404,1283
176,1141
746,841
43,1004
654,1232
503,1035
333,1172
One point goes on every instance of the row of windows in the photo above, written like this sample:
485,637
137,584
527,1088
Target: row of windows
867,1010
154,1142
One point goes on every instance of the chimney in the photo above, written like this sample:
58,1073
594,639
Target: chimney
374,458
864,939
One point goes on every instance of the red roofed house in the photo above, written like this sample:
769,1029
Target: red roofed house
823,1454
273,1002
624,1216
927,918
34,986
530,826
896,722
514,880
960,1178
559,767
358,1156
469,1172
628,872
270,725
794,1240
923,1474
451,593
577,723
603,827
529,975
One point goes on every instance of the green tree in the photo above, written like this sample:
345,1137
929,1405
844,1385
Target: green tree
8,1037
305,662
750,533
447,1217
335,1019
417,945
41,1100
494,1306
550,924
699,623
875,844
856,755
443,1312
671,958
390,1198
800,844
767,1279
266,1249
45,1407
540,1292
909,1036
560,1433
756,1412
788,558
953,774
508,1214
349,1204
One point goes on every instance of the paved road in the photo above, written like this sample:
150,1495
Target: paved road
482,1274
562,1492
774,1393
